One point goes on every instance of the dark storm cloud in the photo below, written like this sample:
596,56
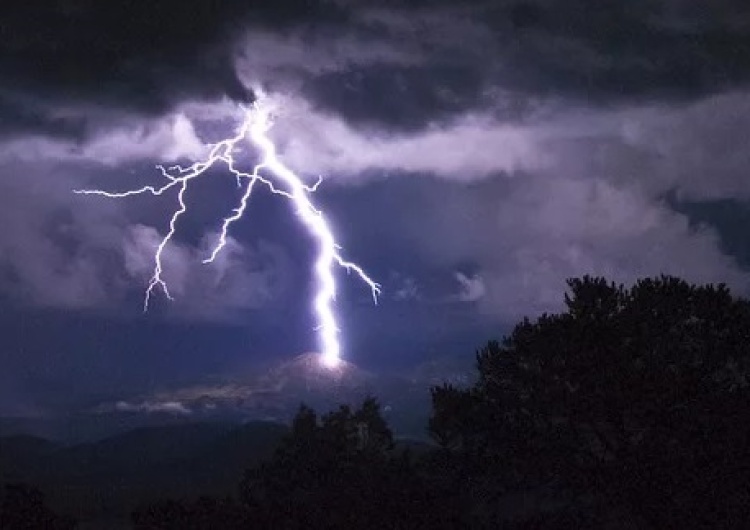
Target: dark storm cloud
611,49
587,51
20,118
404,97
143,56
443,57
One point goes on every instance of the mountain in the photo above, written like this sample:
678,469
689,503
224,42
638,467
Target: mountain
141,448
308,372
20,453
111,477
88,425
274,394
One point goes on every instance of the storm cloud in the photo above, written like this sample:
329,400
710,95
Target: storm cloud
474,154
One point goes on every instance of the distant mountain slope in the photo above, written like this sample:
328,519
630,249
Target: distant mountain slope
23,445
86,425
113,476
144,446
20,453
276,393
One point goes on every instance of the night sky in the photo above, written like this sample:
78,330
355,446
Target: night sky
474,156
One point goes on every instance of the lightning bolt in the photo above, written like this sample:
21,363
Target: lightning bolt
257,122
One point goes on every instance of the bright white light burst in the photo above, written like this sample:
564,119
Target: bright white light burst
281,181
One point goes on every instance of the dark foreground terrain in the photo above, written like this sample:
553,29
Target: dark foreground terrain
106,480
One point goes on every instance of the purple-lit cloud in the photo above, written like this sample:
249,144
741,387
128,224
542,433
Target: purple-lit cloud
560,177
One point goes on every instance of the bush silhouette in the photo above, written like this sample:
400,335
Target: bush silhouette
631,399
23,508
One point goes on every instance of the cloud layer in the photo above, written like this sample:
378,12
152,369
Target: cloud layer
544,136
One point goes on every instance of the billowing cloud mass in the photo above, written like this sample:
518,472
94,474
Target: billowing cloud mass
472,288
239,278
536,140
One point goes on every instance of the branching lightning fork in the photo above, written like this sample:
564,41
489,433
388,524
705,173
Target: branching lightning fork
255,126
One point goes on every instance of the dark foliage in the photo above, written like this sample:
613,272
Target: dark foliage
340,471
624,411
632,401
202,514
23,508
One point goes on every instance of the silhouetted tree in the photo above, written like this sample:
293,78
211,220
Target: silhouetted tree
340,471
202,514
635,399
23,508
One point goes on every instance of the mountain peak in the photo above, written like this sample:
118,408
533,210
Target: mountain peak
312,370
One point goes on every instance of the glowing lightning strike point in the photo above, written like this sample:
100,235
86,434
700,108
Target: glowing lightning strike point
255,127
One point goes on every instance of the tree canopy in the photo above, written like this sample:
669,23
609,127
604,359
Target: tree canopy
340,471
23,507
635,400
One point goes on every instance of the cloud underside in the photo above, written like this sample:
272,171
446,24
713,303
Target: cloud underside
572,191
543,141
